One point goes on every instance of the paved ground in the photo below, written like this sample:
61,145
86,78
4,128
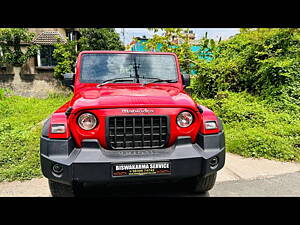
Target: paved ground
286,185
240,177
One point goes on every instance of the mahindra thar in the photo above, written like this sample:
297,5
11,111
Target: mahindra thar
129,121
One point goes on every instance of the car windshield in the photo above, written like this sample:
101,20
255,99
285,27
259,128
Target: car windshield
98,68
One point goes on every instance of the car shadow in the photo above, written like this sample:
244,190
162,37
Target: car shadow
139,190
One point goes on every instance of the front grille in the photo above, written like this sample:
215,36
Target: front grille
137,132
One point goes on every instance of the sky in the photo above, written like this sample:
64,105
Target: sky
214,33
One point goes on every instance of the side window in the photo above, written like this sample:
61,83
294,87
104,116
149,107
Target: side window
45,57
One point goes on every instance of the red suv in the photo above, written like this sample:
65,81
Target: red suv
130,120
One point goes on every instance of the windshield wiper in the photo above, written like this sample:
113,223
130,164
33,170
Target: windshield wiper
115,80
136,68
158,80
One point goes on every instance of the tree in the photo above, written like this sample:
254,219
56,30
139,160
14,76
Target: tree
100,39
177,41
264,62
173,40
65,54
10,44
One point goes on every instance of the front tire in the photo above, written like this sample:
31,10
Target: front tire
63,190
201,184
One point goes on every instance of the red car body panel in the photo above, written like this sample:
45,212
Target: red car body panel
129,95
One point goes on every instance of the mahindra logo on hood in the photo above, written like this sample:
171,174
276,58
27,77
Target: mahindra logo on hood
137,111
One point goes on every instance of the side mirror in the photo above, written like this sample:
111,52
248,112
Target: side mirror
186,80
69,80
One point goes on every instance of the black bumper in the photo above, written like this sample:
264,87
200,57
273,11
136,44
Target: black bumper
94,164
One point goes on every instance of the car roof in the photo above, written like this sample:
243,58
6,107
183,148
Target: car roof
125,52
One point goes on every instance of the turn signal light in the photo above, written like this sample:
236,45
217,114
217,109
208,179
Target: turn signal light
58,129
210,125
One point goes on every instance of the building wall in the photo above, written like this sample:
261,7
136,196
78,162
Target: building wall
32,85
32,81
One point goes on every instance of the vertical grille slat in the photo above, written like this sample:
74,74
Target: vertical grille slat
133,132
151,143
115,130
143,131
124,130
160,130
137,132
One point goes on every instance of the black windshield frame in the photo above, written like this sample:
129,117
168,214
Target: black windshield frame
173,73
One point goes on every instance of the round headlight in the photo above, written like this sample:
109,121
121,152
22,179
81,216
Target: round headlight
87,121
184,119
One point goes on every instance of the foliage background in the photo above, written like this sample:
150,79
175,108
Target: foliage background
10,46
252,83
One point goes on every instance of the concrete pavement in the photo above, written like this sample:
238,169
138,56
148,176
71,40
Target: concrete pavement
237,167
285,185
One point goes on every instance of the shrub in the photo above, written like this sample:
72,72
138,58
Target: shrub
258,142
65,56
253,84
238,107
10,45
255,128
263,62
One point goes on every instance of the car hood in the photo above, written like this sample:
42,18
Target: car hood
133,97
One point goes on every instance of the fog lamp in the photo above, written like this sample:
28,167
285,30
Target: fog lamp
213,163
58,169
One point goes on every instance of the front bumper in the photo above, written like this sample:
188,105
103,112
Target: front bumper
92,163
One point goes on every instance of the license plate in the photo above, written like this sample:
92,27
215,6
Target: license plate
141,168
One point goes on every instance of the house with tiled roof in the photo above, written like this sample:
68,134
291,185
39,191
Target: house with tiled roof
46,38
36,75
44,62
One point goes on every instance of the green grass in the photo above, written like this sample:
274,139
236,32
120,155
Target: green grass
20,134
256,128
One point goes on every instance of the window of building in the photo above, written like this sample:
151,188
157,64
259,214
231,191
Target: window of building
70,35
1,63
45,56
73,35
